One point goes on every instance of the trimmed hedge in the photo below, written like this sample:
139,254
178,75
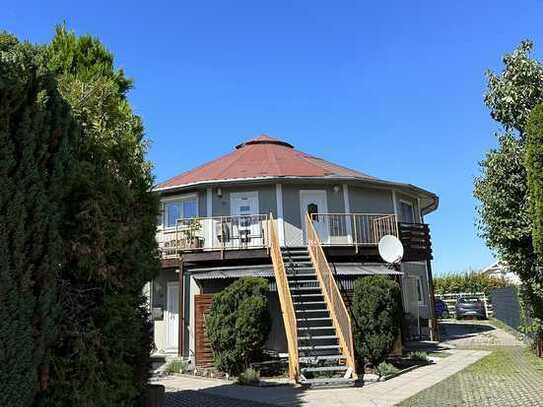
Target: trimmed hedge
376,318
469,282
238,324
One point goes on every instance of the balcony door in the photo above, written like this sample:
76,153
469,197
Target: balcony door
314,202
246,228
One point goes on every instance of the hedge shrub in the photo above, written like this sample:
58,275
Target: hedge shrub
468,282
238,324
376,318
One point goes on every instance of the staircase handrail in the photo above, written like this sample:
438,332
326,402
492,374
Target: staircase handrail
285,298
336,306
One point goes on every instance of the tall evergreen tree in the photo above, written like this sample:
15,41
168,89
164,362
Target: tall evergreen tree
102,358
36,135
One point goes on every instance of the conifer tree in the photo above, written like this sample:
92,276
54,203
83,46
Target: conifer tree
36,135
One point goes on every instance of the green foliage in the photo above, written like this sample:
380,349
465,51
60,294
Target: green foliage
176,366
102,358
385,369
534,169
238,324
249,377
37,133
468,282
513,94
376,317
418,356
505,211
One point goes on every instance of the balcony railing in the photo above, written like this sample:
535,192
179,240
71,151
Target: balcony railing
353,229
214,233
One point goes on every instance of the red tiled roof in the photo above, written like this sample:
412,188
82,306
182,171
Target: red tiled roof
260,158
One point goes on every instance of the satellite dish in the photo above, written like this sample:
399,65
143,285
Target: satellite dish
390,249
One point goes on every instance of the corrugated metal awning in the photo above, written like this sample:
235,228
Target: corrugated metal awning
357,269
344,269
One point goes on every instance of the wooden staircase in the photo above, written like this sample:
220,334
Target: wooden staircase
319,354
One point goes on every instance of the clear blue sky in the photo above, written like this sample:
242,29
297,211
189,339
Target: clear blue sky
392,88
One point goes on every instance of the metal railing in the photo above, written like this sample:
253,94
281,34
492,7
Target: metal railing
357,229
287,307
214,233
338,311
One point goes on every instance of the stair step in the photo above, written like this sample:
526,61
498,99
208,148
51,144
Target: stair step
312,319
324,369
315,328
316,337
304,288
318,347
312,310
316,359
303,282
308,302
329,382
308,295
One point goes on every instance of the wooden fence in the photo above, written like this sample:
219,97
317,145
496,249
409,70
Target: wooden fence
450,300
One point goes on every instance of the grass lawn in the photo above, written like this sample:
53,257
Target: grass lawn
510,376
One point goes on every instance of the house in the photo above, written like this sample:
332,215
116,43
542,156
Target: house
500,269
309,226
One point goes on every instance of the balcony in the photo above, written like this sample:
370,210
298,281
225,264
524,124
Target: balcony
216,233
353,229
341,234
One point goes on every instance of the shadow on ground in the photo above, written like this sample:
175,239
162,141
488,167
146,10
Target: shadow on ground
229,395
459,330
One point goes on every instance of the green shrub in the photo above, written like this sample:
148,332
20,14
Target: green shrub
249,377
176,366
376,318
468,282
418,356
238,324
385,369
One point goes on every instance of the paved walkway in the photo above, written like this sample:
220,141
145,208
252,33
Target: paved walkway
474,335
185,391
511,376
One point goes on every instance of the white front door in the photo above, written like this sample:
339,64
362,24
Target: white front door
314,201
172,315
246,226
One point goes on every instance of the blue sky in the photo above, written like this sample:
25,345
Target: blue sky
394,89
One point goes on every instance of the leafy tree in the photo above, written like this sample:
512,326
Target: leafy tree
534,168
238,324
102,355
505,219
376,318
37,134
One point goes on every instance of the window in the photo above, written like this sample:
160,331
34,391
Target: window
182,208
407,214
420,293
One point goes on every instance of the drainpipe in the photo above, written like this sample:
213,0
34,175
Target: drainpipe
181,329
